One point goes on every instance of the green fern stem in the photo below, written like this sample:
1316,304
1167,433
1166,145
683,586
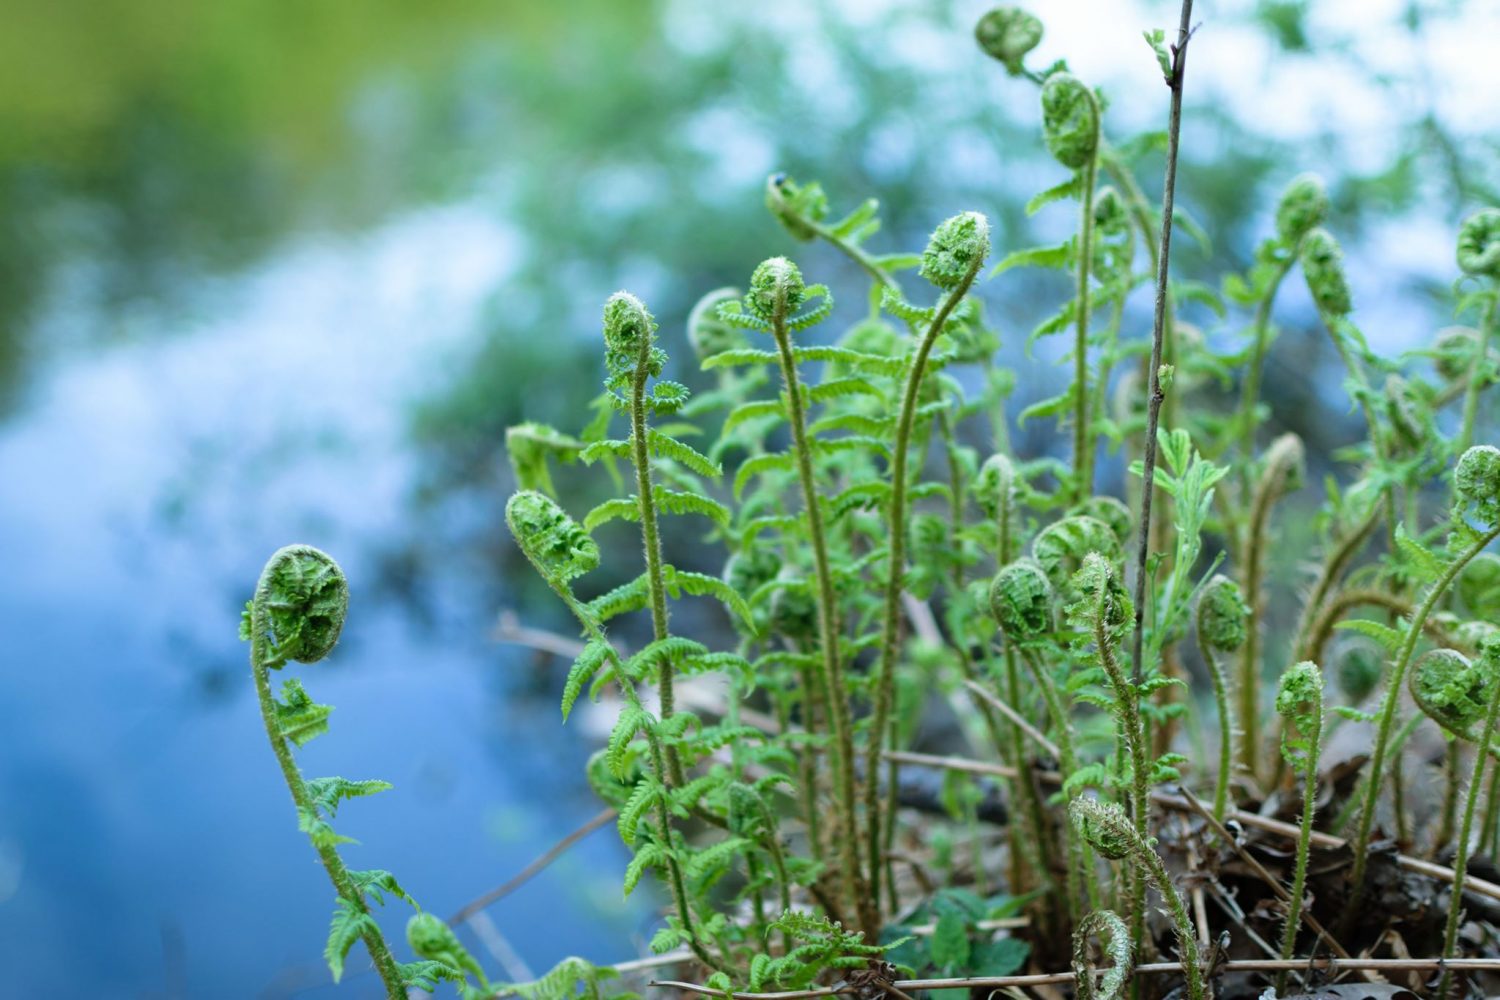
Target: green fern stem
675,881
1083,440
651,542
1226,724
1461,846
1132,734
260,666
834,691
1080,877
1476,377
1387,716
1250,391
1304,841
890,642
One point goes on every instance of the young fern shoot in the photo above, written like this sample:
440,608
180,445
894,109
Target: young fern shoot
1299,702
1109,832
1221,628
777,292
296,615
951,261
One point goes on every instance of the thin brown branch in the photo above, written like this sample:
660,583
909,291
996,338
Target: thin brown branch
1037,736
1260,870
535,868
1158,331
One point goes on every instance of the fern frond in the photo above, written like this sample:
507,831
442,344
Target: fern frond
594,655
760,465
702,585
676,502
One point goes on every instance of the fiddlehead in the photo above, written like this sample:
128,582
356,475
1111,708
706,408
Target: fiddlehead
1477,485
1221,628
1323,268
1478,255
1008,34
1302,208
1478,251
1021,601
1070,126
1112,984
1489,669
1299,702
1108,830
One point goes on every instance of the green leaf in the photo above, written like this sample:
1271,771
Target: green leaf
703,585
950,943
647,856
1388,637
327,793
759,465
1001,957
595,654
376,882
632,720
671,649
349,923
1070,188
298,717
759,409
838,388
739,357
622,508
669,447
877,364
1425,565
1056,257
627,597
1157,39
425,974
608,448
645,795
676,502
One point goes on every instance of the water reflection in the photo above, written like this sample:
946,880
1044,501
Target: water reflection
144,832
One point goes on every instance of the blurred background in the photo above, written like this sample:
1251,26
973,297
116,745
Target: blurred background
275,271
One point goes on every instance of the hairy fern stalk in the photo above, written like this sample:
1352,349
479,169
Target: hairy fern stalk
863,544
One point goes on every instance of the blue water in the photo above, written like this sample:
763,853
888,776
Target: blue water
147,844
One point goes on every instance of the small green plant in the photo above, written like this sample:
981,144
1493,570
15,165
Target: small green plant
1299,702
870,543
296,615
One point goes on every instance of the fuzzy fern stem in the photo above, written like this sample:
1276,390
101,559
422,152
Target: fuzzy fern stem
559,550
781,287
1300,702
630,311
1490,660
1387,714
1083,438
262,660
952,260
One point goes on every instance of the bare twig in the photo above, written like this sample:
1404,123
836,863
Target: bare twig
1158,330
536,867
1037,736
